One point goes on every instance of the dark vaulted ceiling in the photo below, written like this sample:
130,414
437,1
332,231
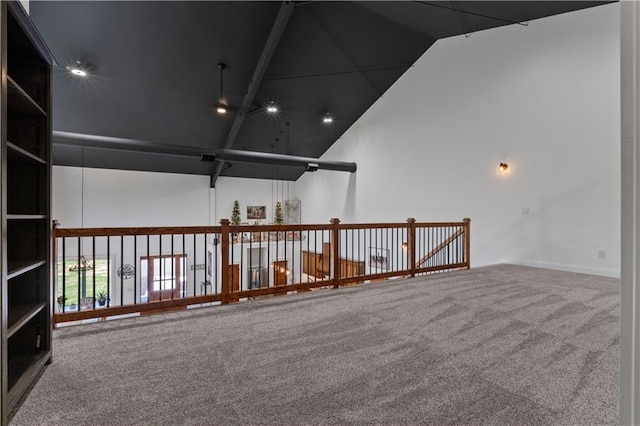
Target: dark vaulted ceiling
148,102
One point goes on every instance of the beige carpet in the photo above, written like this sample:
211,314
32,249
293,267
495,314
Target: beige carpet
504,345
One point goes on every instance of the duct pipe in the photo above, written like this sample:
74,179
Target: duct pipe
120,144
253,157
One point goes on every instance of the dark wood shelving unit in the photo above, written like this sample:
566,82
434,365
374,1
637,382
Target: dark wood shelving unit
26,216
25,223
21,373
20,102
15,154
19,267
21,314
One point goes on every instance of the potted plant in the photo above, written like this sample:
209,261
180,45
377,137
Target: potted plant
61,300
102,298
278,218
235,218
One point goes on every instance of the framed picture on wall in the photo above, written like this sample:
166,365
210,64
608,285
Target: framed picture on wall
379,258
292,212
256,212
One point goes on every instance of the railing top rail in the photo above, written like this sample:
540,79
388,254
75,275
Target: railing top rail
269,228
107,232
438,224
112,232
372,225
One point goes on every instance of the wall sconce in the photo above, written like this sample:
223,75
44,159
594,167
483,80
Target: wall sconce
405,245
503,167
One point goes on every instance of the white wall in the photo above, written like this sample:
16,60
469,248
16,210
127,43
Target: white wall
115,198
109,198
250,192
131,198
544,98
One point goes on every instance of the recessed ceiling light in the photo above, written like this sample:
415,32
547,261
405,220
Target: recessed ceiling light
79,72
272,108
78,69
327,119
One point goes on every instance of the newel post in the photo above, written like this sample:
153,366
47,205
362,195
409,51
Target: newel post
411,245
226,269
335,251
467,241
54,271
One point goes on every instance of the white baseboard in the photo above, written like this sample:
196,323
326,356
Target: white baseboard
613,273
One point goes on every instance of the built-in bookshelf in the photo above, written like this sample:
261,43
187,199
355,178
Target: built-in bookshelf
26,193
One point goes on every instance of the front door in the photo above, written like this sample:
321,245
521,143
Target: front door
165,276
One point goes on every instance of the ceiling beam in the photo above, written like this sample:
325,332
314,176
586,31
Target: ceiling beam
265,58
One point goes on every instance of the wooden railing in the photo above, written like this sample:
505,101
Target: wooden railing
107,272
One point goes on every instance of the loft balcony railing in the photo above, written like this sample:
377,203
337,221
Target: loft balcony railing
109,272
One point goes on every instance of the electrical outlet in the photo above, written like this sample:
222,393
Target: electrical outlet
601,254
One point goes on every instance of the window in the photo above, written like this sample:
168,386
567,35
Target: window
81,284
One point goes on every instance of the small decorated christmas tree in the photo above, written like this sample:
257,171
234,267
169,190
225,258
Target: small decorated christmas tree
278,218
235,213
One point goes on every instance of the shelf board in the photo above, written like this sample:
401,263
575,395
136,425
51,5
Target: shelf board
19,315
19,155
19,267
19,101
30,367
26,216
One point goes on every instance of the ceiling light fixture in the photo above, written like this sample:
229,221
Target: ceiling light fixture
327,119
272,108
78,69
221,106
503,167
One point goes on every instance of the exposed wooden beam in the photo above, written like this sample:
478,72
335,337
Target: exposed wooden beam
277,29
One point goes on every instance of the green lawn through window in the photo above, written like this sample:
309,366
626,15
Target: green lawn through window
72,279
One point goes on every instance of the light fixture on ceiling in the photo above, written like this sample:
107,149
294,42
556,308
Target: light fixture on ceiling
327,119
221,106
78,69
272,107
503,167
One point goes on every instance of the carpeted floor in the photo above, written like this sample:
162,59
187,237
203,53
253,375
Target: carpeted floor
503,345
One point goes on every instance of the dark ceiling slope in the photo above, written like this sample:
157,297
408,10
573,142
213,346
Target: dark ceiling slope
155,79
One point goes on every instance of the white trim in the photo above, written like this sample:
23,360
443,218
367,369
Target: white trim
613,273
629,398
